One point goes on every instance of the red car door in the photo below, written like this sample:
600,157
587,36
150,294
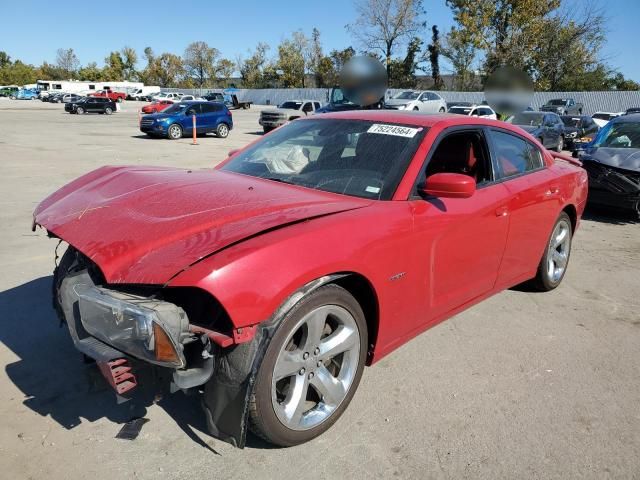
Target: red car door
460,241
532,207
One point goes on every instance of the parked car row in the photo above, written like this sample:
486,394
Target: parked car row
177,119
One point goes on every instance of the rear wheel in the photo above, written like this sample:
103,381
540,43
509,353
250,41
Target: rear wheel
560,146
311,368
108,111
174,132
223,130
119,100
554,262
441,110
415,109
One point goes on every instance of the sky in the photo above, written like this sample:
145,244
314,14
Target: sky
36,29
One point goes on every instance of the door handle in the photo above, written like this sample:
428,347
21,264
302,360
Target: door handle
502,211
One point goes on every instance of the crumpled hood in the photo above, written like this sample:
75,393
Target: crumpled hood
146,224
626,158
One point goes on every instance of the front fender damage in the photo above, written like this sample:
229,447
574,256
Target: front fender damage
228,391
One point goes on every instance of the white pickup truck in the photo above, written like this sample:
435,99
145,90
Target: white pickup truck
285,112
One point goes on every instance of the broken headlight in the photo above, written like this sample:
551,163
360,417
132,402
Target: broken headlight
146,329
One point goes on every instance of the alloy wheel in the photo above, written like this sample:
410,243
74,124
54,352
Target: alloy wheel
315,367
559,247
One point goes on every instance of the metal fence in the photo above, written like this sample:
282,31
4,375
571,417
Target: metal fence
608,101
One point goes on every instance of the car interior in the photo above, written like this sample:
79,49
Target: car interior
462,152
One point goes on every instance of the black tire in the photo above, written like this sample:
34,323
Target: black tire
416,109
108,111
79,110
543,280
264,421
222,131
174,132
541,142
441,110
267,129
560,146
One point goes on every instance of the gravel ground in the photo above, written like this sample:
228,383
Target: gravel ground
524,385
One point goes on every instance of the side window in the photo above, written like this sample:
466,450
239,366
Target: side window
514,155
307,107
462,152
316,105
193,110
210,107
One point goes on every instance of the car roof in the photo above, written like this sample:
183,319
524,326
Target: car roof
632,117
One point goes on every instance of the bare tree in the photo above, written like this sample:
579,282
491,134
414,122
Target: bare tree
383,25
67,61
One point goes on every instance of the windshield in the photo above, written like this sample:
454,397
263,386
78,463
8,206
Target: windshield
557,102
175,108
571,121
291,105
338,98
460,110
351,157
407,95
529,119
619,135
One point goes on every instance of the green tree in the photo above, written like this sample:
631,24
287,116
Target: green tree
382,25
90,72
403,71
114,67
224,71
129,59
461,52
251,69
434,49
199,62
5,59
292,59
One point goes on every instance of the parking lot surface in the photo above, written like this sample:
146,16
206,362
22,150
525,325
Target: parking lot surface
524,385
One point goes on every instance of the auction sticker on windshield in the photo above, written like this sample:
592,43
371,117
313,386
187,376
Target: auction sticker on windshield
393,130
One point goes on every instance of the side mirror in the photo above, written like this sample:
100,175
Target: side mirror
449,185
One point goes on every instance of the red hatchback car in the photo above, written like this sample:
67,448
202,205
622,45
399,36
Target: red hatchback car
157,106
270,281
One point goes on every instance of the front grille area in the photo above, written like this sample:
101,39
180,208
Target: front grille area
272,117
146,122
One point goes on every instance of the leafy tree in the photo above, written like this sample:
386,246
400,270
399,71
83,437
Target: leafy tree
382,25
403,72
251,69
114,67
315,54
165,70
90,72
434,60
292,59
129,60
67,61
461,52
224,70
199,61
17,73
5,59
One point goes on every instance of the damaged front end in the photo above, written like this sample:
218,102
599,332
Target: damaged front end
183,331
612,186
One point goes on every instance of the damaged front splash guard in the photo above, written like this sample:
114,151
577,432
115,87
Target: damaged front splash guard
227,393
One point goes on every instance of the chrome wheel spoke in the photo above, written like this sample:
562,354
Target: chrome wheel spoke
288,364
559,258
343,339
561,236
315,326
329,387
293,406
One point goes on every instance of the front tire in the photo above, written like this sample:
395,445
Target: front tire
174,132
555,260
311,368
79,110
441,110
560,146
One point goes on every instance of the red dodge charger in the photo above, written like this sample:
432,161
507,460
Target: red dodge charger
270,281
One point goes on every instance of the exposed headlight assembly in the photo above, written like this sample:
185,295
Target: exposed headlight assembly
147,329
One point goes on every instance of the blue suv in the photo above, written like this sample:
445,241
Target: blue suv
177,120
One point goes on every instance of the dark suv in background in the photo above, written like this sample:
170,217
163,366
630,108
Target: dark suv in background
91,105
578,129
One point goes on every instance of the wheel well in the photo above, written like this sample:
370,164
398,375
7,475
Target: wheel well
363,292
573,215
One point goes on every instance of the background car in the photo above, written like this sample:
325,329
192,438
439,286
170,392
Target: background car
482,111
632,110
91,105
177,120
612,161
426,102
459,104
602,118
547,127
168,96
157,106
578,130
9,91
26,94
